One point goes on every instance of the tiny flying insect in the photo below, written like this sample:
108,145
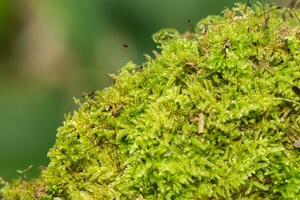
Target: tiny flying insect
189,21
125,49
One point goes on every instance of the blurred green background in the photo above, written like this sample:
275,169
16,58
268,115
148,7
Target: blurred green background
53,50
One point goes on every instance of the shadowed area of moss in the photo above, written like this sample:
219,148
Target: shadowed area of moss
213,116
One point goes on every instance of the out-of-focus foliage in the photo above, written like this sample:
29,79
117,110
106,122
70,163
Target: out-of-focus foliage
51,51
212,116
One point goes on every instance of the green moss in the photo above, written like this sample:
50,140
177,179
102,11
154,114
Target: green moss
21,189
213,116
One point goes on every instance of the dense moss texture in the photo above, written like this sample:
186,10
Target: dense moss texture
212,116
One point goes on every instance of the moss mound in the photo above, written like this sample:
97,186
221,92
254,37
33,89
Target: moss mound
215,115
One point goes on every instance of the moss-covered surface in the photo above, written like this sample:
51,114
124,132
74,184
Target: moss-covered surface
213,116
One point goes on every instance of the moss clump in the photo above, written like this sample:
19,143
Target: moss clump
213,116
21,189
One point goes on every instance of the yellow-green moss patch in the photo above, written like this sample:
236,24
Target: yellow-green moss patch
213,116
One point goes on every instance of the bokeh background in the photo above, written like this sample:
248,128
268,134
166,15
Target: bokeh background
51,51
